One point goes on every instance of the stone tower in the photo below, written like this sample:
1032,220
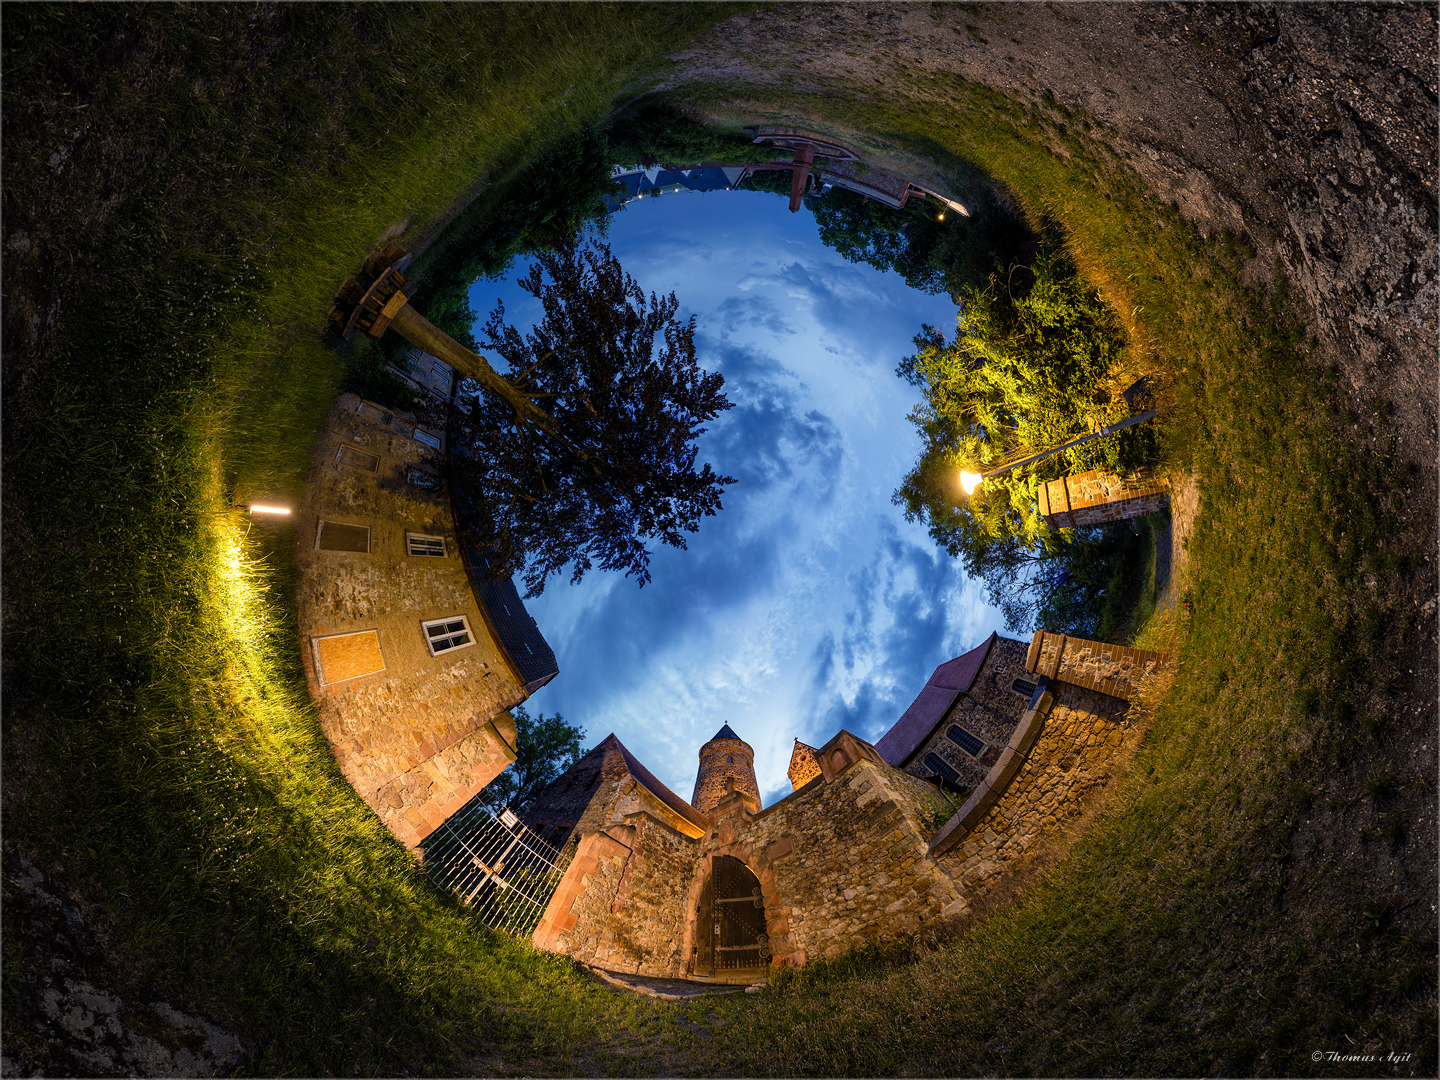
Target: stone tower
727,763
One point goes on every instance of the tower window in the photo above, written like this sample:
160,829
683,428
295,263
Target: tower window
963,739
730,761
940,768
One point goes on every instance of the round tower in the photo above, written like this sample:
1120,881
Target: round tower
727,763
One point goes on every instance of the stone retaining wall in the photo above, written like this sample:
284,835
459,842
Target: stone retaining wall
1094,665
1094,498
1076,745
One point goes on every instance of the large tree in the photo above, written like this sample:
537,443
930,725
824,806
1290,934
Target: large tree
1034,363
580,446
545,746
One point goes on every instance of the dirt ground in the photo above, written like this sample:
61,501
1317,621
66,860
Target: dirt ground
1309,129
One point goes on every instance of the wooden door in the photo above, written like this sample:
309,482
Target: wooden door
730,934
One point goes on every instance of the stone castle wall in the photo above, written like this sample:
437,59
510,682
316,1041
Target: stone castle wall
989,711
621,905
416,735
863,850
1095,498
1081,740
840,861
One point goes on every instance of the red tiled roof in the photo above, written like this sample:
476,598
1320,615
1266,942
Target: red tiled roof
951,679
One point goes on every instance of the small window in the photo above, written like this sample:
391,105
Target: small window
963,739
416,544
421,435
335,536
446,635
421,478
1020,686
359,459
937,765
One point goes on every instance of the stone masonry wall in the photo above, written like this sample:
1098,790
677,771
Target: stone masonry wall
989,711
840,861
647,911
419,738
621,903
1082,737
1094,498
725,764
1093,665
579,910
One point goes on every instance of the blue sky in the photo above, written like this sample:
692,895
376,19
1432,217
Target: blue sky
808,604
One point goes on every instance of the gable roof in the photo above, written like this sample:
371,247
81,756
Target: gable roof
950,680
651,783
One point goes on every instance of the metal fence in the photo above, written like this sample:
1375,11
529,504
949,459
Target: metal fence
496,865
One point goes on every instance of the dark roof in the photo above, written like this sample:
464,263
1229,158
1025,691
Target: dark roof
726,733
951,679
659,790
514,628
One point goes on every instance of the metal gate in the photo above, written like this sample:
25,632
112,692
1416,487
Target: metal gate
497,867
730,921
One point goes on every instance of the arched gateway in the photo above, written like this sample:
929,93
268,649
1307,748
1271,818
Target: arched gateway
730,937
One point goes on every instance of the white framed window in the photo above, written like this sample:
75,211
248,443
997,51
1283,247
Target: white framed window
421,435
338,536
353,456
421,478
447,635
419,544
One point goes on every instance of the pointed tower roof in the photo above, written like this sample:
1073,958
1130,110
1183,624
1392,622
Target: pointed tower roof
725,733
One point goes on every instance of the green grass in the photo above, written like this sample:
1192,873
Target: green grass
163,762
1204,924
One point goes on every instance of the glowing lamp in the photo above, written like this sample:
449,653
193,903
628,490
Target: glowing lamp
970,481
257,508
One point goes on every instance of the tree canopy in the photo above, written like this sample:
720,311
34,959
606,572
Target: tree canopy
586,451
1029,368
545,746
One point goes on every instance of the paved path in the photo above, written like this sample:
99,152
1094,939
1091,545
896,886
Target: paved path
669,989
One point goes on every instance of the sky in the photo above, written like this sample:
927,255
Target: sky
807,604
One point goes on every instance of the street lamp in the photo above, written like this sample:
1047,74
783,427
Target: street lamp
969,481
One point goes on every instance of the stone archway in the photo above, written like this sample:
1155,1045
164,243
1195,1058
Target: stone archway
731,941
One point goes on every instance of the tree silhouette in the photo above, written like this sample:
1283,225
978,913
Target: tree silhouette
582,449
545,746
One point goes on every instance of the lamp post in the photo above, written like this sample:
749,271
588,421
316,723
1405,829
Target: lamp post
970,481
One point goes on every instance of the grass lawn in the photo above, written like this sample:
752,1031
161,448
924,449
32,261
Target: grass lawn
193,183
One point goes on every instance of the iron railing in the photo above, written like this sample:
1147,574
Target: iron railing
496,866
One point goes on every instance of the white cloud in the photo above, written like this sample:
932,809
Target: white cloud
809,601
